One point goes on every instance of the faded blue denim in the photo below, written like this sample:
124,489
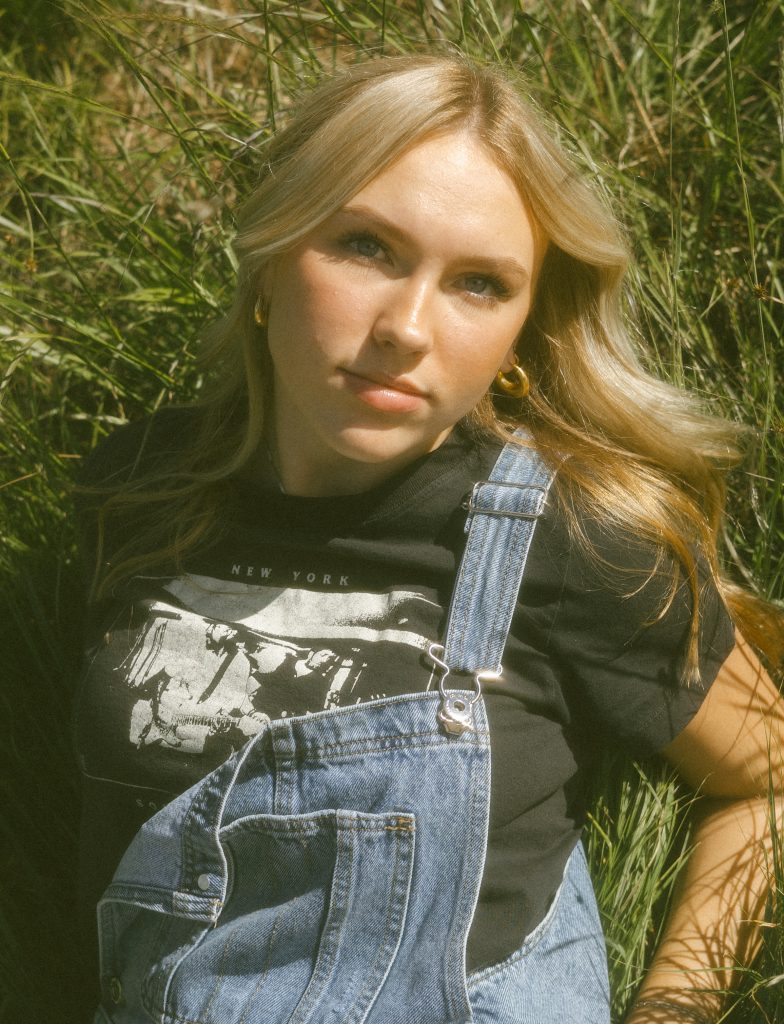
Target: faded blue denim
328,872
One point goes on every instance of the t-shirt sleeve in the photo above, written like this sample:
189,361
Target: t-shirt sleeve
619,659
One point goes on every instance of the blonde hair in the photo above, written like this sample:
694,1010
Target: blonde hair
643,457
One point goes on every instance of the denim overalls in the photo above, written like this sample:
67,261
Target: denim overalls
327,873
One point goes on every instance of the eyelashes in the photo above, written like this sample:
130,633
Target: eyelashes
359,242
369,248
499,289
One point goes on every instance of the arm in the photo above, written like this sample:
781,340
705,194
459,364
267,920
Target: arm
733,753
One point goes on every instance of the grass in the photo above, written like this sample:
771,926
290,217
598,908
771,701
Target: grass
127,132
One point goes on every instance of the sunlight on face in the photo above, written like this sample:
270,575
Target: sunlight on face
388,322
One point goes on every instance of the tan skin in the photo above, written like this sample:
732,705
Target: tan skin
732,752
386,326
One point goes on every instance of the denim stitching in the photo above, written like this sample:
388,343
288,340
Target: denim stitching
370,745
296,827
188,853
327,951
393,924
154,982
518,547
221,972
261,979
479,796
515,536
471,598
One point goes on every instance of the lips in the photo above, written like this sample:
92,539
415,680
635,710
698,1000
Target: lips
390,383
387,394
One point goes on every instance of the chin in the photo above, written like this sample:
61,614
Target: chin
376,446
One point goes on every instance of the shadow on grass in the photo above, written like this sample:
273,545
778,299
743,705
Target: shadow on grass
43,962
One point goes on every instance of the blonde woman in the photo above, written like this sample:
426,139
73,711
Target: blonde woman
365,615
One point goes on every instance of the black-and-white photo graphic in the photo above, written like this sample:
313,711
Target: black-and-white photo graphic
207,670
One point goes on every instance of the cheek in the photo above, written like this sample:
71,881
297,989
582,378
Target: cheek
293,330
319,312
476,361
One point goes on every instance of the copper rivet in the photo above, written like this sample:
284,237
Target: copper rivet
115,990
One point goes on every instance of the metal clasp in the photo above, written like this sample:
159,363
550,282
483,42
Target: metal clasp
470,505
455,713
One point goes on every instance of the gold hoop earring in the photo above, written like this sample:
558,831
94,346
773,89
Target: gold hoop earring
259,312
515,383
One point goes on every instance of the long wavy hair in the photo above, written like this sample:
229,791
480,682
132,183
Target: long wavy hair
643,457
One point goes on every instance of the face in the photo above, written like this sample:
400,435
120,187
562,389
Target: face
389,321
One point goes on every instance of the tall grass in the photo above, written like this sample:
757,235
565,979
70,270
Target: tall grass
127,132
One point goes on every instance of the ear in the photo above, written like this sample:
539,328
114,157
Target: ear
510,360
266,280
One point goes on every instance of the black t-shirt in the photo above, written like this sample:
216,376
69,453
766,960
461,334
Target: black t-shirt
308,603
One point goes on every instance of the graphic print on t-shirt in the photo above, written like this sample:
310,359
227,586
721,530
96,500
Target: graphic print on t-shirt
206,662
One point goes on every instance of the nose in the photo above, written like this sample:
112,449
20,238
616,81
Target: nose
405,317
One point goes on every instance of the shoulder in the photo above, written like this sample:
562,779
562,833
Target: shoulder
605,576
602,555
614,613
139,447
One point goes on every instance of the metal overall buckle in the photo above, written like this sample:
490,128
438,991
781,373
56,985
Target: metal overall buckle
455,713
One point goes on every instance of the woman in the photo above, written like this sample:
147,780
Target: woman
425,362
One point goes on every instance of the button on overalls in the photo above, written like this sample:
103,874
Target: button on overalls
327,873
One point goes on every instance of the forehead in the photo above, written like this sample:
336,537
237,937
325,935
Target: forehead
451,186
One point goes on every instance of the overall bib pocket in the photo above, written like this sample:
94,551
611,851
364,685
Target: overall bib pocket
313,917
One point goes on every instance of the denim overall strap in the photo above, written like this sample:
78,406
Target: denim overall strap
502,515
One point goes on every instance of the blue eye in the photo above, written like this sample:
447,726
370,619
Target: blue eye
364,244
477,284
484,286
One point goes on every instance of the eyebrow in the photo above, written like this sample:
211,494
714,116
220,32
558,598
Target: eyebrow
494,264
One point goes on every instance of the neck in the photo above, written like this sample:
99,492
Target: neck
309,469
326,477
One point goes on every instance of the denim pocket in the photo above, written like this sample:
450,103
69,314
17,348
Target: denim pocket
312,921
